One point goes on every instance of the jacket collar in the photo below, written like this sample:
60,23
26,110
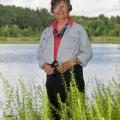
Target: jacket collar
54,23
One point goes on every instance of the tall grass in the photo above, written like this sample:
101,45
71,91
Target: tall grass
33,104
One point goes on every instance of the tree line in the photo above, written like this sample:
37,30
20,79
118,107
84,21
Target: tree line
18,21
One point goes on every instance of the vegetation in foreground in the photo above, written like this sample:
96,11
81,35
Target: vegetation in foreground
33,104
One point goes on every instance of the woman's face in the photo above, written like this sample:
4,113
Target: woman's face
61,10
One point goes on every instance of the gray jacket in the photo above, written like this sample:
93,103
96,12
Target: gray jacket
74,43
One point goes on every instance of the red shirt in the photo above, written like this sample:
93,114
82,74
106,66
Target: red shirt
57,39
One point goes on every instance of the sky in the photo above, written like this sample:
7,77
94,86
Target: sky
88,8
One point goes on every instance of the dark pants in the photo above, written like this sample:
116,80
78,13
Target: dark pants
55,84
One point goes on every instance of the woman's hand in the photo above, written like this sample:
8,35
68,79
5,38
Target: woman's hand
48,69
63,67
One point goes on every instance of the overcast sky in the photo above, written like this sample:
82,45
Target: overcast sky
80,7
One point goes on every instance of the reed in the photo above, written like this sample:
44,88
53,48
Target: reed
33,104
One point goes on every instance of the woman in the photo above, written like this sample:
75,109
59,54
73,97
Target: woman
63,45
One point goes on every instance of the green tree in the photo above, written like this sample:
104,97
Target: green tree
5,31
15,31
115,31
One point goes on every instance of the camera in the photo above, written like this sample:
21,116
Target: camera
54,65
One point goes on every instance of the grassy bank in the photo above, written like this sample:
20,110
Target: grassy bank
104,40
34,105
30,40
19,40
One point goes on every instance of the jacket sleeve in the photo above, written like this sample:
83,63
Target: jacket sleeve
41,48
85,50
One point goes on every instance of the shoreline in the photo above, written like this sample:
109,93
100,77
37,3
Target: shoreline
97,43
35,40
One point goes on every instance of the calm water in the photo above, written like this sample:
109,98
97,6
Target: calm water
19,62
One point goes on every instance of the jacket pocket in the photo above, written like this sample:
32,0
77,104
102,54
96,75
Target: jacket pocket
71,42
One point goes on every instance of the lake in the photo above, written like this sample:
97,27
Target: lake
18,61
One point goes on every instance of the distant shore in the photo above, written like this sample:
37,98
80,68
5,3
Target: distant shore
35,40
19,40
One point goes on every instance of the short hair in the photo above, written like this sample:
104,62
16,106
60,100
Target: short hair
53,3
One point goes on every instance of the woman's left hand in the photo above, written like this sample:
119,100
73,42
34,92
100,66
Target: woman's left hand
63,67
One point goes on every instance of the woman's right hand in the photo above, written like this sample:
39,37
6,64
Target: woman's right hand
48,69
